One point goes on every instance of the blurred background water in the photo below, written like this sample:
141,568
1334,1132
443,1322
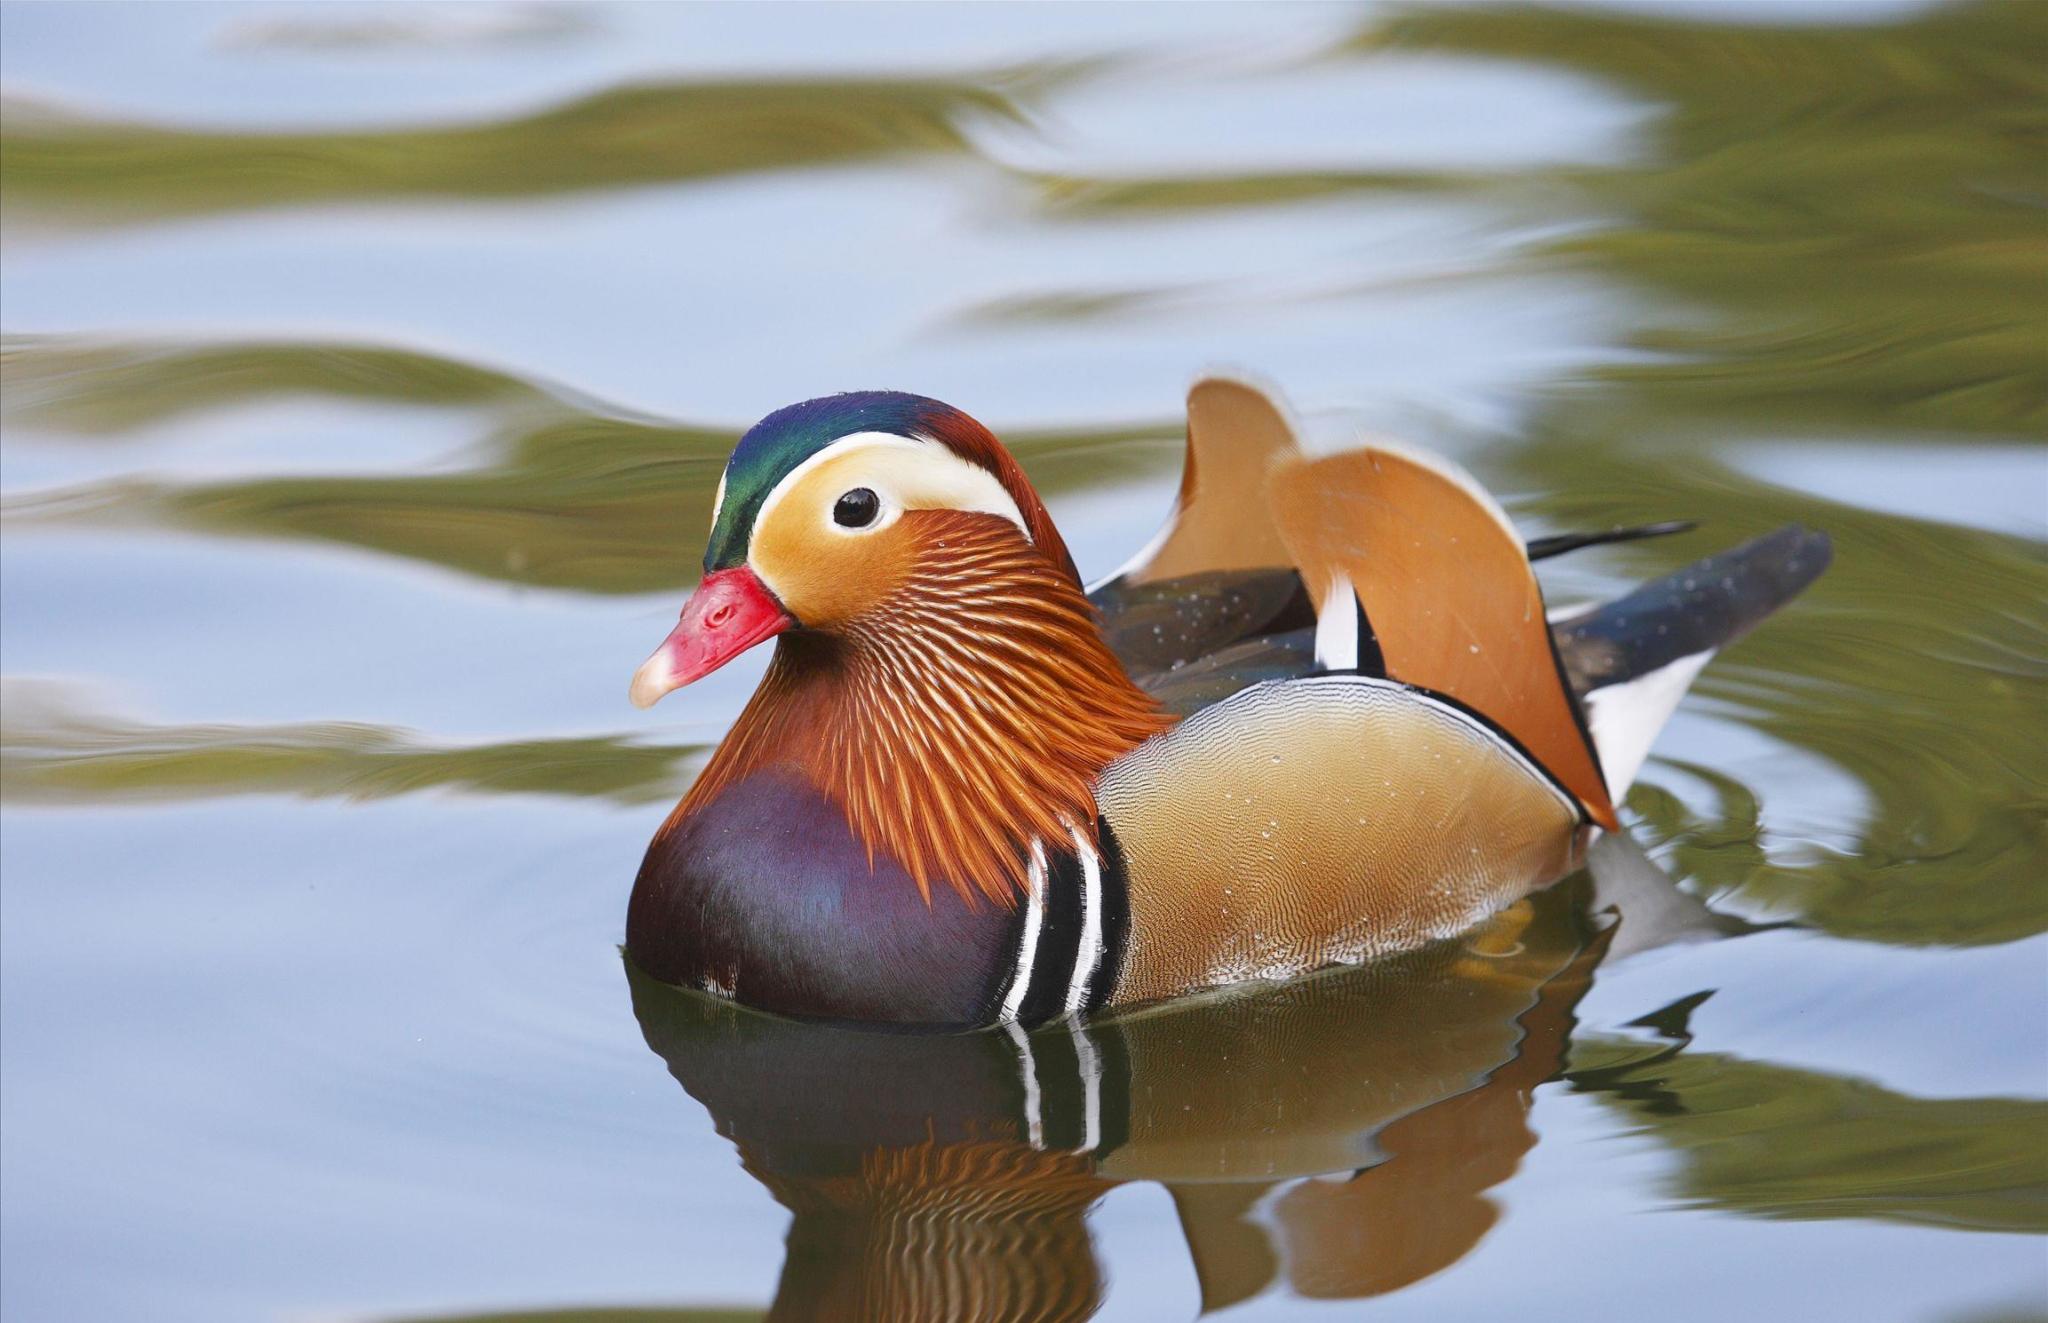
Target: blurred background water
367,371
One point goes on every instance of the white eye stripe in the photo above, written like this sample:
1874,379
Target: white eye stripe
906,473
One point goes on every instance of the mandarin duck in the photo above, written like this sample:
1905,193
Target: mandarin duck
1322,718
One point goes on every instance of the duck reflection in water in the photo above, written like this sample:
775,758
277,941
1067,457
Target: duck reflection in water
1335,1135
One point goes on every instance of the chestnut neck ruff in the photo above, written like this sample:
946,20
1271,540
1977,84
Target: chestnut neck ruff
965,716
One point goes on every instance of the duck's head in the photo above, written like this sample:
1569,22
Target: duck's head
825,510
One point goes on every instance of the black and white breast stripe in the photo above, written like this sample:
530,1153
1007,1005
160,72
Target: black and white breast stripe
1074,1087
1070,941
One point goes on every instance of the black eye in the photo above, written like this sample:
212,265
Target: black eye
857,509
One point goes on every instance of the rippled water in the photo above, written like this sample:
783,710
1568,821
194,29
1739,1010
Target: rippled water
366,375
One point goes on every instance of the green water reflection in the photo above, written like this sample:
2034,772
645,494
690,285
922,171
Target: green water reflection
58,167
1852,216
1775,1141
55,750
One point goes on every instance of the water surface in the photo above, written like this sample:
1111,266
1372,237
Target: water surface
367,373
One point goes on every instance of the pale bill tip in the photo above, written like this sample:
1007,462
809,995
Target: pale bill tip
651,681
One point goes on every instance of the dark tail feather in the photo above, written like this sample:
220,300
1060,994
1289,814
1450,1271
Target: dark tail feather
1543,548
1631,660
1707,605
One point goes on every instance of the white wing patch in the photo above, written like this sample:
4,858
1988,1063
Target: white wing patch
1337,626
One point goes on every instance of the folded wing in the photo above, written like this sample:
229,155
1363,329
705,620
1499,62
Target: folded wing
1237,432
1416,571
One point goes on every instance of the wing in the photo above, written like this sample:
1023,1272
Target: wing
1317,821
1237,432
1416,572
1218,573
1159,629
